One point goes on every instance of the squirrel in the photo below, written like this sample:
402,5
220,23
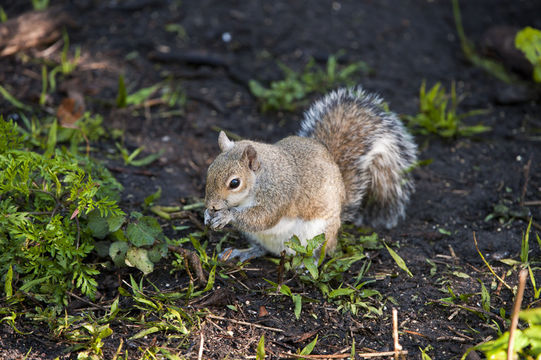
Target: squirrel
351,161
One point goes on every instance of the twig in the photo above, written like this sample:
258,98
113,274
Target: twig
217,317
516,309
194,261
451,338
397,346
526,180
532,203
499,288
415,333
488,265
86,301
200,353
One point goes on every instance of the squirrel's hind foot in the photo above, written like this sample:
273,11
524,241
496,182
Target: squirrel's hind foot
242,255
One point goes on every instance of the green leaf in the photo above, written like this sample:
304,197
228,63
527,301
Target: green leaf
141,95
138,258
51,140
309,348
399,261
297,301
261,348
528,40
29,285
8,289
122,93
149,159
115,222
532,316
143,232
485,297
341,292
210,282
149,200
525,244
117,252
145,332
311,266
97,224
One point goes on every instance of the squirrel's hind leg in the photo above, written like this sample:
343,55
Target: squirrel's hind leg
242,255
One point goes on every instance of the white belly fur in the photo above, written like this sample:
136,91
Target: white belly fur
273,239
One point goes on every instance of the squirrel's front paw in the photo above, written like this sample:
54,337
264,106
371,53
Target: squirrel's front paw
220,219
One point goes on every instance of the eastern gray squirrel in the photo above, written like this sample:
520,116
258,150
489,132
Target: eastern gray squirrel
350,162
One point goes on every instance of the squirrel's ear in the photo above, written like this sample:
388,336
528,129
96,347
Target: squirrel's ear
224,143
250,154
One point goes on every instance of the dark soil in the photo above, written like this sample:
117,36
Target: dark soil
404,43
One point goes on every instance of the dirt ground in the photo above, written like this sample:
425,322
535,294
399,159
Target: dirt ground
404,43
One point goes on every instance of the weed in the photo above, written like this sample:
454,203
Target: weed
289,93
528,40
524,258
347,296
44,204
130,159
40,5
94,344
438,117
137,98
66,65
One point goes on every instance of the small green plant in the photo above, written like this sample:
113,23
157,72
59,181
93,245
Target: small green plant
45,200
525,260
93,341
67,66
289,93
438,116
328,276
130,159
527,344
137,98
528,40
40,5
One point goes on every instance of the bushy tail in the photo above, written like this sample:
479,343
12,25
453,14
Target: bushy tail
372,149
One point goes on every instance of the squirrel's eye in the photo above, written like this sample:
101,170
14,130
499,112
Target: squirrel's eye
233,184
